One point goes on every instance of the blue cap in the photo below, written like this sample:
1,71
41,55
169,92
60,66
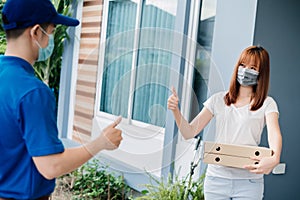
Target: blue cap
18,14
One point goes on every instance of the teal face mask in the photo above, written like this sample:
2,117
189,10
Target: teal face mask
45,53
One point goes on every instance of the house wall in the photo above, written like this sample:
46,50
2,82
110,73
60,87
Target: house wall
277,29
233,32
87,69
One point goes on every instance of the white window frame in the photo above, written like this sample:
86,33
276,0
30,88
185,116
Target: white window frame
185,148
72,77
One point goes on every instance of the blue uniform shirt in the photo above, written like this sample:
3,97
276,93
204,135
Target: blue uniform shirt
27,129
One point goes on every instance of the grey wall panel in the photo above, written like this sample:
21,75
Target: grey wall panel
277,29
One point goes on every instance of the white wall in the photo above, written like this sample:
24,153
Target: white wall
233,32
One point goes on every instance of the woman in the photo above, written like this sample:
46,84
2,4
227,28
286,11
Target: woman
241,114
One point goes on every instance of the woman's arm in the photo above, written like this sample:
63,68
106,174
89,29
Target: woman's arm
274,135
267,164
188,130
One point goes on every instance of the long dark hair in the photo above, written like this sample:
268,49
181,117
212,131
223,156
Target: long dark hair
262,61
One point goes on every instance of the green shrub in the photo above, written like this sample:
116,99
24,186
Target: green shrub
92,181
2,33
179,189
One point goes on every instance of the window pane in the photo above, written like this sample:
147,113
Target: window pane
154,60
203,54
118,57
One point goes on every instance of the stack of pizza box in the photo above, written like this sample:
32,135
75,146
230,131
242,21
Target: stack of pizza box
233,155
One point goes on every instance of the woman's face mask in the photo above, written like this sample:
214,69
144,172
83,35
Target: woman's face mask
45,53
247,77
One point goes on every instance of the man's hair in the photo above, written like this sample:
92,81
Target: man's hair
15,33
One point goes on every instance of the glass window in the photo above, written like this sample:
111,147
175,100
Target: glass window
137,59
118,57
154,59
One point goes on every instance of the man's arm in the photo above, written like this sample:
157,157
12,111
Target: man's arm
52,166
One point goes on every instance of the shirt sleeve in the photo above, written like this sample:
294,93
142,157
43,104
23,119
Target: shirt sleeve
37,119
216,104
271,106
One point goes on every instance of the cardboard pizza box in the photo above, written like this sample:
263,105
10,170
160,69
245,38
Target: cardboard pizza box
236,150
232,155
226,160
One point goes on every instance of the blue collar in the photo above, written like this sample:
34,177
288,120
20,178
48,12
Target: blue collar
16,61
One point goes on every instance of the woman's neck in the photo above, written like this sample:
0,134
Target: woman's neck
245,92
244,97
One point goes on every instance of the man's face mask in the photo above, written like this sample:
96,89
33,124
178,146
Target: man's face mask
45,53
247,77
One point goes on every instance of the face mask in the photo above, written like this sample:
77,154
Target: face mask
247,77
45,53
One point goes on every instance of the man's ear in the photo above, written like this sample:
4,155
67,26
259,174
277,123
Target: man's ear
34,31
